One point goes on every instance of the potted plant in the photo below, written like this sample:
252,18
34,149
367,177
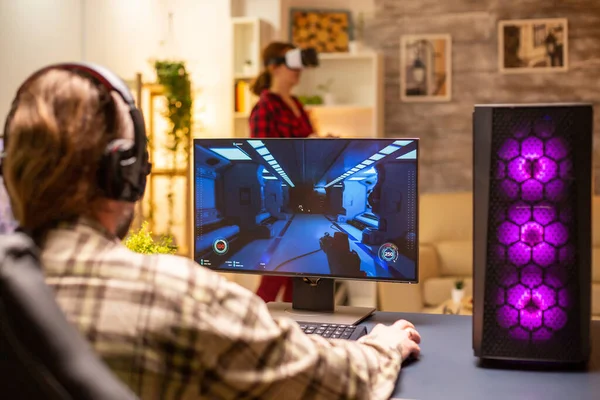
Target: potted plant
143,242
356,45
175,79
328,97
310,100
458,291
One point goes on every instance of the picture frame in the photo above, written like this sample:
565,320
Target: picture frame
533,45
426,68
327,30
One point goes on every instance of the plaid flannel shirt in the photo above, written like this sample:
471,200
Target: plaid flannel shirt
171,329
271,117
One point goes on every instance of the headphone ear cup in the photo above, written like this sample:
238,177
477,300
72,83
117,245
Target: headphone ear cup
111,177
144,166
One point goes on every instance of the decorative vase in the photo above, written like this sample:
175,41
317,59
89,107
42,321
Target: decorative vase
457,295
329,99
355,46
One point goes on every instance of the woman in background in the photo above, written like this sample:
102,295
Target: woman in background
277,114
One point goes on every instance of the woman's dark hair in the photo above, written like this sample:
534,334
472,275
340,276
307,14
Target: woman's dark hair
273,50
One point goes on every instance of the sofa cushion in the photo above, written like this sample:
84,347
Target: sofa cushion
447,216
438,290
455,257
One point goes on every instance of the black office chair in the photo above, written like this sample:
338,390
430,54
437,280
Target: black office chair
42,356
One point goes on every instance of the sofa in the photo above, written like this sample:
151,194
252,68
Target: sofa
445,255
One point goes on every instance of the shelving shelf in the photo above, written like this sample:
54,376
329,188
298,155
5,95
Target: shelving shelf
241,115
357,87
346,56
149,98
244,77
250,35
338,107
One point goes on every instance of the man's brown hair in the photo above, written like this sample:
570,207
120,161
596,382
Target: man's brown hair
56,137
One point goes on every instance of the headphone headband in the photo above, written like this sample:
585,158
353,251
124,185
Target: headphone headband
124,166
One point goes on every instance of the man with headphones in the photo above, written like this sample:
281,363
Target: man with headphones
76,162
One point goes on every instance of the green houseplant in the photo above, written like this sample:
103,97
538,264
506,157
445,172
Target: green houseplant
310,100
458,291
141,241
175,79
328,97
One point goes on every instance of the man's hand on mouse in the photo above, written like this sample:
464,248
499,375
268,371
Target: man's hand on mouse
401,336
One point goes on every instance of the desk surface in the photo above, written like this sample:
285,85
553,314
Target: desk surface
448,369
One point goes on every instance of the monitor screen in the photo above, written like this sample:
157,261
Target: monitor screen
339,208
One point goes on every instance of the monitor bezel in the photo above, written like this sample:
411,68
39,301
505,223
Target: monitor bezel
300,274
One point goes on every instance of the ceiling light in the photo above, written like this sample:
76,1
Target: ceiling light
390,149
256,143
262,151
232,153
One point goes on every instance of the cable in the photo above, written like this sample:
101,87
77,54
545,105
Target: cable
295,258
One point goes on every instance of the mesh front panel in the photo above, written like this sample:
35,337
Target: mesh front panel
531,307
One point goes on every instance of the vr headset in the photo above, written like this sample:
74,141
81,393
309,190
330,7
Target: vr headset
298,59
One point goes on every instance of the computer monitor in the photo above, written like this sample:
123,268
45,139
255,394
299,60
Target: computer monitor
312,209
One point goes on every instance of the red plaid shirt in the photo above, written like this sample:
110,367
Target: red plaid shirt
271,117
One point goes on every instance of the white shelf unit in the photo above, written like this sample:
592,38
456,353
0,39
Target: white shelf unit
250,35
357,88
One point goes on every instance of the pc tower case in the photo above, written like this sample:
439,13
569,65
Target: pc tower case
532,188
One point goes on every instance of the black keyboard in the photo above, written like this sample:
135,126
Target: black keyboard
333,331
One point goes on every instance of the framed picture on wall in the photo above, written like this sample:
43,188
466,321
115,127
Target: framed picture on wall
329,31
533,45
426,68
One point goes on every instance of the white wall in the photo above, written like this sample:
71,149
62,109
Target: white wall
123,35
126,35
34,33
203,29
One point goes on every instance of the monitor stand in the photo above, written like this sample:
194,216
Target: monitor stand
313,300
